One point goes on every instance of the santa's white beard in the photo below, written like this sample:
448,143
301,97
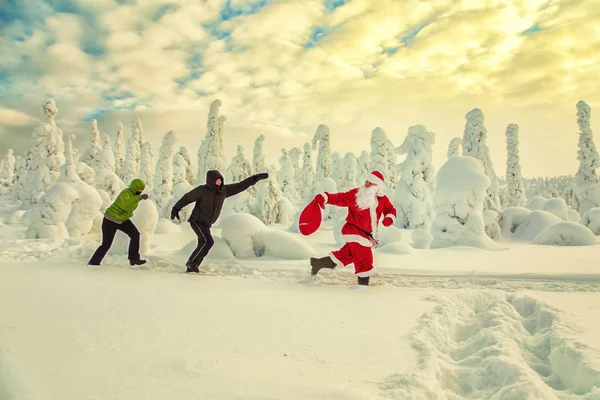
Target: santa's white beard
366,197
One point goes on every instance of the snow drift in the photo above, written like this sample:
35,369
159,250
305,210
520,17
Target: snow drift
566,234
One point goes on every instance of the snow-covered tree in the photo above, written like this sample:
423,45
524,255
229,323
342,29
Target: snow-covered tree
286,178
461,186
47,156
7,173
258,157
189,170
76,154
515,195
379,155
210,153
414,190
337,168
107,182
147,165
475,145
586,179
163,177
90,157
240,167
137,129
364,161
322,138
454,147
295,153
181,186
119,151
350,172
268,199
131,169
392,166
20,175
307,179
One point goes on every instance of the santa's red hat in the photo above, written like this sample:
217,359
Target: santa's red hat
375,178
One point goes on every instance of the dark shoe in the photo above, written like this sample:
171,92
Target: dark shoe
363,281
191,268
137,262
320,263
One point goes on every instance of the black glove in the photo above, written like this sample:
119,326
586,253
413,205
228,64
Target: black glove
144,196
175,214
261,176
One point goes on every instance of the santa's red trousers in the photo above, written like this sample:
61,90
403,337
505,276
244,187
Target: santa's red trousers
354,253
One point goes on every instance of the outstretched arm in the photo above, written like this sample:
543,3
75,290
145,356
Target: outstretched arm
342,199
235,188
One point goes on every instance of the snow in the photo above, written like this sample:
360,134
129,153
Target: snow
534,224
492,228
573,215
511,218
454,147
566,234
283,245
166,226
239,231
308,173
537,203
422,239
591,219
557,207
587,193
211,155
323,168
515,196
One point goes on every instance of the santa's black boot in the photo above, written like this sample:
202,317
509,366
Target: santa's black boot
320,263
363,281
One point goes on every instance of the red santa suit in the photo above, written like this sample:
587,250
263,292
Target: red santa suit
361,225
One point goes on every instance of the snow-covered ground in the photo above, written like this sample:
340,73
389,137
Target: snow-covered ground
455,323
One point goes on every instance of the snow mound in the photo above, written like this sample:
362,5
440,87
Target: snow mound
220,251
422,239
396,248
392,234
238,231
574,216
487,346
165,226
591,219
14,218
285,245
534,224
490,219
536,203
557,207
511,218
566,234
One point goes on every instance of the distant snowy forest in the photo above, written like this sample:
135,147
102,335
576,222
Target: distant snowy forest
64,191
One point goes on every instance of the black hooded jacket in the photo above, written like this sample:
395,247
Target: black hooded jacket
209,198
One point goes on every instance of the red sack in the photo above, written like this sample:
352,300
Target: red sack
310,218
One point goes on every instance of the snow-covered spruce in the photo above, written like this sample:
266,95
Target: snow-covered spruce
180,186
364,161
210,153
337,168
515,196
163,177
286,178
258,157
189,170
295,154
106,180
268,199
586,191
106,145
566,234
557,207
46,155
350,171
475,145
119,151
308,174
461,186
147,165
322,138
131,169
240,167
20,174
379,155
414,190
7,173
91,155
454,147
591,219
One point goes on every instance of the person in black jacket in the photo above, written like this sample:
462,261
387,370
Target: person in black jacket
209,200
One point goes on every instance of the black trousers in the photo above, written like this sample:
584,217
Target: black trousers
109,230
205,243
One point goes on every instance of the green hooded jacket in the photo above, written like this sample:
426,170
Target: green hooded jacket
126,202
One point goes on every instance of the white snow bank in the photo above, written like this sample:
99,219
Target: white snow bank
566,234
392,234
557,207
14,218
488,346
591,219
534,224
396,248
220,251
536,203
490,219
422,239
511,218
166,226
284,245
574,216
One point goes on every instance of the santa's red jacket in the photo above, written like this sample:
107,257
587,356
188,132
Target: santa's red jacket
360,221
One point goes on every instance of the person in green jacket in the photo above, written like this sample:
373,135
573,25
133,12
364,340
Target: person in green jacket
117,218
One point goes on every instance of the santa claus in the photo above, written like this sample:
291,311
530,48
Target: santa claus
366,206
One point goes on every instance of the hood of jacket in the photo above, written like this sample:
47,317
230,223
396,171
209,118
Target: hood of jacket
211,179
137,185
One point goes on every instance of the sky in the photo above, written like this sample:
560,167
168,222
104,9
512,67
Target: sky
281,68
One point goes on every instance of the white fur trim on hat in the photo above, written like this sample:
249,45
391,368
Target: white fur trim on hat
374,179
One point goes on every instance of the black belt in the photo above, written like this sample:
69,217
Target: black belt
369,234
